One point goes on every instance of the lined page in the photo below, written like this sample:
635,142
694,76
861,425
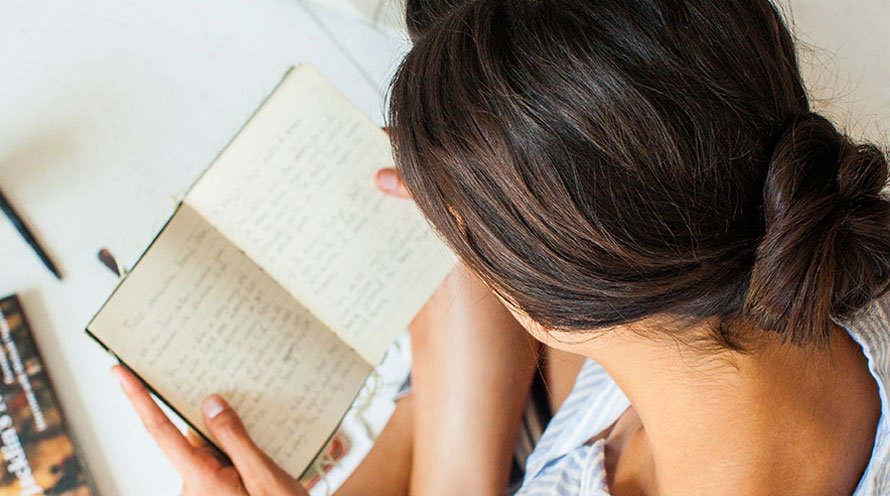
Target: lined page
295,191
197,317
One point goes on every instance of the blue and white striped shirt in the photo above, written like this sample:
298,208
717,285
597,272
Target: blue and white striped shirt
565,463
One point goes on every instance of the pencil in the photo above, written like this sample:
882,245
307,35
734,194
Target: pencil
26,234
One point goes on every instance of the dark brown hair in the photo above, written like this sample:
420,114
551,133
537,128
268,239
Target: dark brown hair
598,162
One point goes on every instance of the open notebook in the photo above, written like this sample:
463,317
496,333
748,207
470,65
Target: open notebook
282,278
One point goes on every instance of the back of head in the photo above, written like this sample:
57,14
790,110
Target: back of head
601,162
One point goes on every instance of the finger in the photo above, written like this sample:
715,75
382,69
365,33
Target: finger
197,440
257,470
390,182
166,435
260,474
200,444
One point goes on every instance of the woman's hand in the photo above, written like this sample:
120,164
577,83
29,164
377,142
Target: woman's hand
204,470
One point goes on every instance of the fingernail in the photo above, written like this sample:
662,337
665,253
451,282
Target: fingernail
387,180
118,375
213,406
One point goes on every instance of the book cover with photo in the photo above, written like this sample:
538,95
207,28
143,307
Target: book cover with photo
38,456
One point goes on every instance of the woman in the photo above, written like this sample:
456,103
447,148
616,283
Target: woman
641,183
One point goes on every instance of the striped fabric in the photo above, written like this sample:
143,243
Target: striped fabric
566,463
872,332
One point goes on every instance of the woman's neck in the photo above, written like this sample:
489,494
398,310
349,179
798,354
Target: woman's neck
734,423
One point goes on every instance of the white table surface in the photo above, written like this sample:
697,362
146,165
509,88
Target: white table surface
111,108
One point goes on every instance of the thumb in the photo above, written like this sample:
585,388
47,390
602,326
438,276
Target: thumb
258,472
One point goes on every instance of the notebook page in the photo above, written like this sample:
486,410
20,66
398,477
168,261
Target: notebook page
197,317
295,191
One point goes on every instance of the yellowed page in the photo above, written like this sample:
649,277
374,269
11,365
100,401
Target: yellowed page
196,317
295,191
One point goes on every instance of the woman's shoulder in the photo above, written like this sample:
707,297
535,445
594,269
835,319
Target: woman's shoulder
871,329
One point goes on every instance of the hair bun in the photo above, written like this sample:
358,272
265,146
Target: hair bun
825,253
